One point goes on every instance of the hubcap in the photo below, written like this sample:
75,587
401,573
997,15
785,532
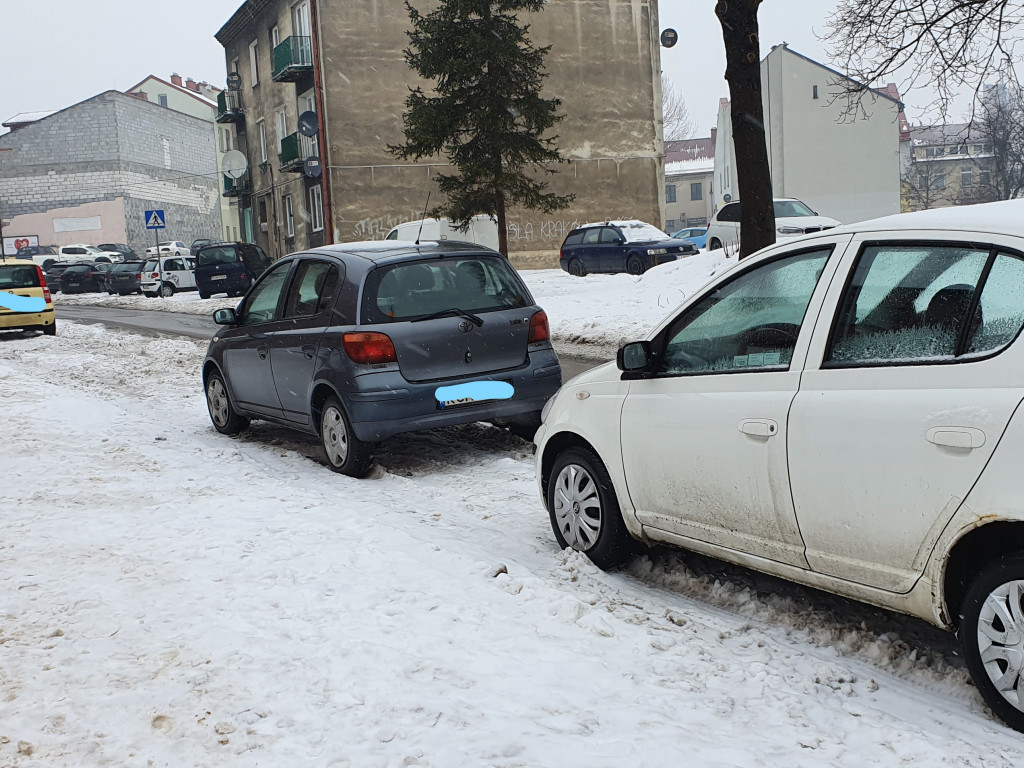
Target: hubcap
217,401
334,435
1001,640
577,507
165,291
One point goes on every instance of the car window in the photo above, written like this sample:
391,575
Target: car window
591,235
312,289
190,263
750,323
610,235
262,258
392,235
261,306
574,238
731,212
149,266
785,208
79,269
414,289
75,251
226,254
18,276
1000,314
128,266
906,304
174,265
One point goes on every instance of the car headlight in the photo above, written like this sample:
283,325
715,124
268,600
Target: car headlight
656,251
547,406
790,230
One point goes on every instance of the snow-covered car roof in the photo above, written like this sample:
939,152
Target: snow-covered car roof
633,230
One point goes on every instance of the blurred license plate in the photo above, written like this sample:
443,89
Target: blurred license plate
74,285
219,277
472,392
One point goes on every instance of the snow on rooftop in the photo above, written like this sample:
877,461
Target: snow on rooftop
28,117
697,165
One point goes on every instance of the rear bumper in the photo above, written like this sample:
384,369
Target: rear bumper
12,320
230,282
384,404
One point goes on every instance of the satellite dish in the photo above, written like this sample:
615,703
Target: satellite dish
312,167
308,124
234,164
234,81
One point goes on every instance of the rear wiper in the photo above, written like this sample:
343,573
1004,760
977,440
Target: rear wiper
453,311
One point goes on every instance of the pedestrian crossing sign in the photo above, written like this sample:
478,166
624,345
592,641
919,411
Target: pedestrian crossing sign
155,220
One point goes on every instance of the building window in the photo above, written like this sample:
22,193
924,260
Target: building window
923,182
289,216
263,141
670,226
275,37
281,119
697,191
939,182
984,178
670,193
162,99
965,178
814,91
934,152
254,70
316,209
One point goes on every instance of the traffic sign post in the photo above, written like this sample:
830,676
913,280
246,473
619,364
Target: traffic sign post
156,221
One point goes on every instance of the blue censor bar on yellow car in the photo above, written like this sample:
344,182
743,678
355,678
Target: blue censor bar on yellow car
22,303
472,392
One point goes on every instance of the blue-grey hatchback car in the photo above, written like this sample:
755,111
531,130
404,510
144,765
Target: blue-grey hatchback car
361,341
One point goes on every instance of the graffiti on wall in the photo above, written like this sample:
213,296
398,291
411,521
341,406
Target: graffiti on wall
377,228
551,230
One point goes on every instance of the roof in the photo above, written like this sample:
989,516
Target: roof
699,165
951,133
27,117
381,251
193,94
690,149
239,20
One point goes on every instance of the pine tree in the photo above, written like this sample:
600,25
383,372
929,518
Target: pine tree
486,115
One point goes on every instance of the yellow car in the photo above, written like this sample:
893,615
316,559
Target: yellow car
25,301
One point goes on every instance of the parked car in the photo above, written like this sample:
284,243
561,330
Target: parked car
170,247
168,274
56,269
843,411
82,252
696,235
199,243
85,278
127,254
30,252
125,278
482,230
619,246
228,268
22,281
358,342
793,218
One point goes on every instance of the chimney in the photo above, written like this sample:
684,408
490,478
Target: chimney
191,84
176,79
714,136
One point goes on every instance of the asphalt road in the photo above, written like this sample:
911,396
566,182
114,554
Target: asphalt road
203,327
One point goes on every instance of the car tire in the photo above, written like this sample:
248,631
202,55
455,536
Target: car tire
166,290
714,244
225,418
584,510
204,295
635,265
345,452
51,329
576,268
149,294
996,597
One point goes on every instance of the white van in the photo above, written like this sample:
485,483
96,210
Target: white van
483,230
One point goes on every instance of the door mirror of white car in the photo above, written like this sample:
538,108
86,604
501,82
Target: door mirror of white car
224,317
635,356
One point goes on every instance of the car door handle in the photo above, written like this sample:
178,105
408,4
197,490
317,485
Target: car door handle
308,350
956,437
759,427
263,350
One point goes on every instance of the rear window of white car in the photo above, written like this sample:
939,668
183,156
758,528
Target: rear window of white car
414,289
18,276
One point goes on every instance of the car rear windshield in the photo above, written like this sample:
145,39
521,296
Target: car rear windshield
149,265
227,254
18,276
417,288
79,268
128,266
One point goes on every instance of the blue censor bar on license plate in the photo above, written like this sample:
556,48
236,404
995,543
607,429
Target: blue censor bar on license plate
473,392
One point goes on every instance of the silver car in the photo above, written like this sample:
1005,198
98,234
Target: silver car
358,342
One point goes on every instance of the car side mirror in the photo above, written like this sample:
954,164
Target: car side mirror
620,241
225,317
635,356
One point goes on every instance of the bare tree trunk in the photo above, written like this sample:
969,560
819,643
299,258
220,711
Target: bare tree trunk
502,231
743,72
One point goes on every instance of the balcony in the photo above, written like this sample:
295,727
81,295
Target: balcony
293,60
294,151
229,107
236,187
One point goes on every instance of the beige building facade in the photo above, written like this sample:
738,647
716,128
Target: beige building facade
689,175
344,61
842,161
946,165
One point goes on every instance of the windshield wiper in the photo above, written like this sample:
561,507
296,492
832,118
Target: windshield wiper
451,312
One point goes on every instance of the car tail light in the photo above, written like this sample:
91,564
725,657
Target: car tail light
561,254
369,347
243,276
42,284
539,330
155,275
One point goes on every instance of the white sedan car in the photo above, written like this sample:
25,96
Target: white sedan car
843,410
82,252
793,218
170,248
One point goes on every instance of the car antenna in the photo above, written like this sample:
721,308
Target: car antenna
423,217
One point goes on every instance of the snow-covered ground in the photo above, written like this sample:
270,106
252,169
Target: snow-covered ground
174,597
590,316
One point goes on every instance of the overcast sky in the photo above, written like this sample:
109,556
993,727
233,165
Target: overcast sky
55,53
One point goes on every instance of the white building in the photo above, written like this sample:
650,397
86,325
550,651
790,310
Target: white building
198,99
842,162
